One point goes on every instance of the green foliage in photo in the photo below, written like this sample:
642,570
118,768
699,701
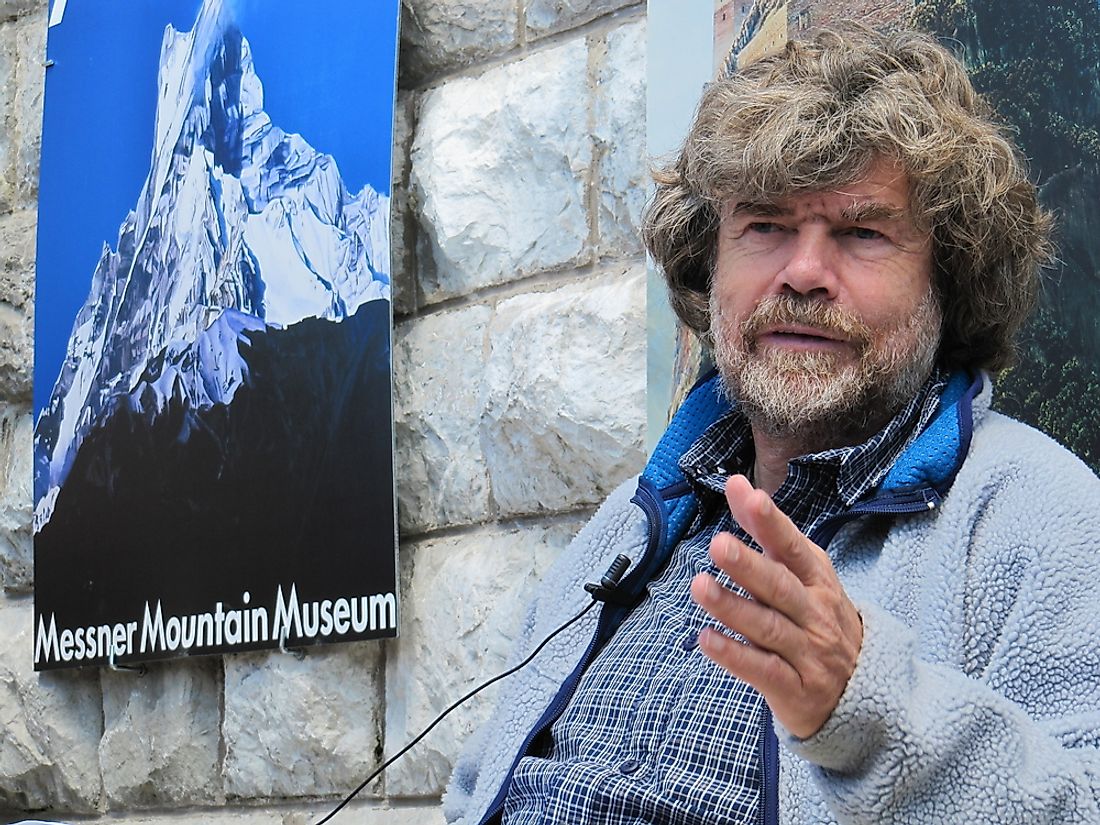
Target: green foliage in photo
1038,64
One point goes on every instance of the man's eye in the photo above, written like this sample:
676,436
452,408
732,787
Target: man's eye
865,234
764,227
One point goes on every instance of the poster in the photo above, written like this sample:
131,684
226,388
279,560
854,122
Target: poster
1038,64
213,449
745,30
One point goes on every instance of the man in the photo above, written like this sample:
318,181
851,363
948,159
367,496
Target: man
857,594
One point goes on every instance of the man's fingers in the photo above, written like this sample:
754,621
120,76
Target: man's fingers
772,529
803,633
768,672
769,581
764,627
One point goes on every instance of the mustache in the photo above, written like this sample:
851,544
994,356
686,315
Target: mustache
776,310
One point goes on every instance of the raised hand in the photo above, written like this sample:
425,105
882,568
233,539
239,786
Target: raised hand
804,631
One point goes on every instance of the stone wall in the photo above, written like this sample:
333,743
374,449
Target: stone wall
519,373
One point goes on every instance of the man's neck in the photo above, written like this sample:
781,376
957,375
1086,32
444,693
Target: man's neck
775,451
772,455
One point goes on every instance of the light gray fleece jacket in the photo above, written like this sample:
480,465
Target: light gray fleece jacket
976,697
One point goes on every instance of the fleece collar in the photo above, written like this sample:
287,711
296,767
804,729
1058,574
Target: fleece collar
931,460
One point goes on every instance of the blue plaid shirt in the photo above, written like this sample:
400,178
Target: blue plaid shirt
656,732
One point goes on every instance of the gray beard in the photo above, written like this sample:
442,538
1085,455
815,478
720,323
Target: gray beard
812,398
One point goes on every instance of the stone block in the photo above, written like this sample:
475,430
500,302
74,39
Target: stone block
500,165
359,813
402,261
161,743
16,550
440,469
16,8
565,380
429,814
547,16
464,597
443,34
22,65
17,236
52,723
9,120
620,140
302,727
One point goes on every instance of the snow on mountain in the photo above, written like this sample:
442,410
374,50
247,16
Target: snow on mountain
239,226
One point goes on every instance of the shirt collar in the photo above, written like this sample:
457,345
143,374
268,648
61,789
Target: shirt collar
862,467
726,448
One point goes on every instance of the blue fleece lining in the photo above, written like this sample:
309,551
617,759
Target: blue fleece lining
933,459
681,515
700,409
935,455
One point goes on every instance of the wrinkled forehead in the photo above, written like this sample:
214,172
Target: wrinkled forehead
830,205
882,193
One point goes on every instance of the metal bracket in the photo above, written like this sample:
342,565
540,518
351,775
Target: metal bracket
297,654
138,669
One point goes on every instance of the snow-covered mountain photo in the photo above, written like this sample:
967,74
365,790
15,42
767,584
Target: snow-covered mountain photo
225,384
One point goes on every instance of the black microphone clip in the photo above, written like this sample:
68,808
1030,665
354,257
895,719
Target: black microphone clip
607,590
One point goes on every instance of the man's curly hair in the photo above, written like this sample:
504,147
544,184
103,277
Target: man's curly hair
816,117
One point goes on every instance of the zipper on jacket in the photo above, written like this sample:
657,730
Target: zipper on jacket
609,616
549,716
768,813
914,500
646,497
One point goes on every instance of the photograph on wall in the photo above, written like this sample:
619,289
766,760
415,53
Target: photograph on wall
1038,65
213,447
745,30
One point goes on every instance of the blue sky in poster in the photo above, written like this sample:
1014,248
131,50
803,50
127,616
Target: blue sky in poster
326,68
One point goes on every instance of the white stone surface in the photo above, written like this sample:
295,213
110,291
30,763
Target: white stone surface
302,727
442,34
547,16
22,68
51,725
161,740
464,598
402,266
17,235
565,381
440,468
16,551
499,167
620,127
15,8
357,813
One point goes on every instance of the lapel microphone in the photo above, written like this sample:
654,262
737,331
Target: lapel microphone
607,590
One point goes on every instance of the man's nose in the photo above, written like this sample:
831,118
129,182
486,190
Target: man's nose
811,269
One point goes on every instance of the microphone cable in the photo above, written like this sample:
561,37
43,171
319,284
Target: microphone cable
605,591
447,712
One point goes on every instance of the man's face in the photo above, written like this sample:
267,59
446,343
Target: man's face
822,310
